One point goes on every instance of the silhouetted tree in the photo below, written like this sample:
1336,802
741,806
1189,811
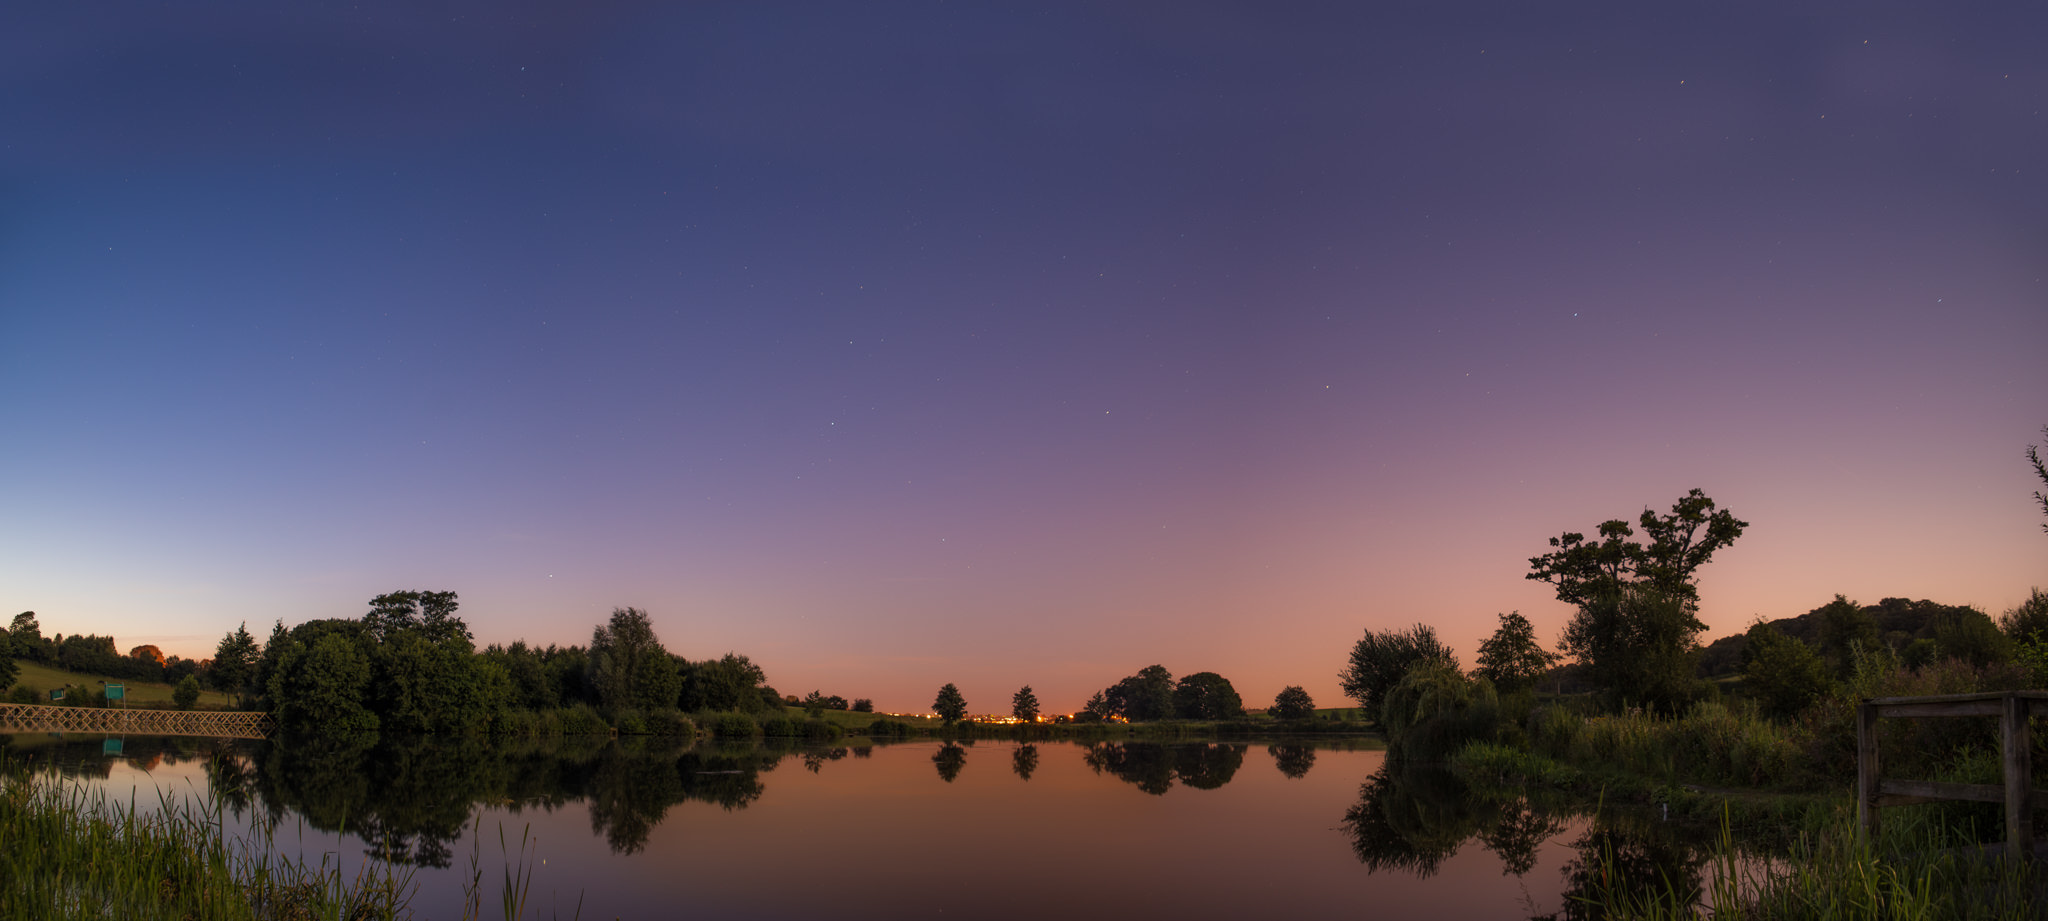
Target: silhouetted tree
1293,760
1024,704
1206,696
1147,695
1379,660
863,705
1511,658
234,660
2041,472
1782,673
629,669
1292,703
949,705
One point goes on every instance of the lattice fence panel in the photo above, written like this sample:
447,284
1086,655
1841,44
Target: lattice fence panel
219,724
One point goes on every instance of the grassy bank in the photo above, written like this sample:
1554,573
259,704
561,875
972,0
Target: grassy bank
43,678
66,853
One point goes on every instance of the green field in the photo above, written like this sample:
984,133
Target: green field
141,693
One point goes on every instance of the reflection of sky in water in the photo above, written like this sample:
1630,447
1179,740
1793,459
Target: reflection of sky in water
884,836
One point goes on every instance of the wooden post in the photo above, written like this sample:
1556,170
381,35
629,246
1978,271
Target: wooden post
2019,778
1867,771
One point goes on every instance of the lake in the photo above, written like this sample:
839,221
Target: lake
988,829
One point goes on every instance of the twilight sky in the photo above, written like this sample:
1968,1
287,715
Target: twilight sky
898,344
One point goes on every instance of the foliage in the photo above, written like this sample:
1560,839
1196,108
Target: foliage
1206,696
730,683
324,688
1637,646
1379,660
949,705
1511,658
1145,696
234,660
1435,709
949,759
863,705
1680,543
734,726
430,614
8,670
1095,710
1024,705
629,669
1024,761
1292,703
2029,620
2040,471
1971,636
187,692
27,635
1782,673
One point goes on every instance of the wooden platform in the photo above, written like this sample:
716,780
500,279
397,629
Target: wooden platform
217,724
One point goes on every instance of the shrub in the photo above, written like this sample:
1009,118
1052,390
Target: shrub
670,722
186,693
581,720
734,726
23,694
630,723
888,727
778,727
820,730
1435,710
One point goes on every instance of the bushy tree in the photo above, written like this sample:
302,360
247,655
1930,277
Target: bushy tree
863,705
431,614
1380,659
1434,710
1024,704
186,693
1145,696
949,705
28,638
1969,635
1095,710
1206,696
8,670
324,687
2027,622
629,669
732,683
1638,646
1844,627
234,660
1511,658
1781,672
1292,703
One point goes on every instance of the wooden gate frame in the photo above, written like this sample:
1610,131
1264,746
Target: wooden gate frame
1873,792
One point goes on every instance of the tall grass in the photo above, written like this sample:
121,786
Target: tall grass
1921,868
67,852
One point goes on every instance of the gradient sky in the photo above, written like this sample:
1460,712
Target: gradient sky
899,344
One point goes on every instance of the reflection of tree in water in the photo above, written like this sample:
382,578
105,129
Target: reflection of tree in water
1617,866
1206,767
1153,766
950,758
410,799
814,760
1024,760
1515,834
1293,760
1412,818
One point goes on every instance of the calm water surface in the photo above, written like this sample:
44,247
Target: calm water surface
992,829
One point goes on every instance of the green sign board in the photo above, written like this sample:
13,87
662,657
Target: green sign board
57,694
117,691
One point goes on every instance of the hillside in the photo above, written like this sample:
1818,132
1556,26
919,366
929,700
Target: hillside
42,678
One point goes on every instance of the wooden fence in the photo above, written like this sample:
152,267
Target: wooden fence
219,724
2012,708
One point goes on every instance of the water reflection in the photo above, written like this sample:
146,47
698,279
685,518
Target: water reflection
1293,759
1154,766
1024,760
950,758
